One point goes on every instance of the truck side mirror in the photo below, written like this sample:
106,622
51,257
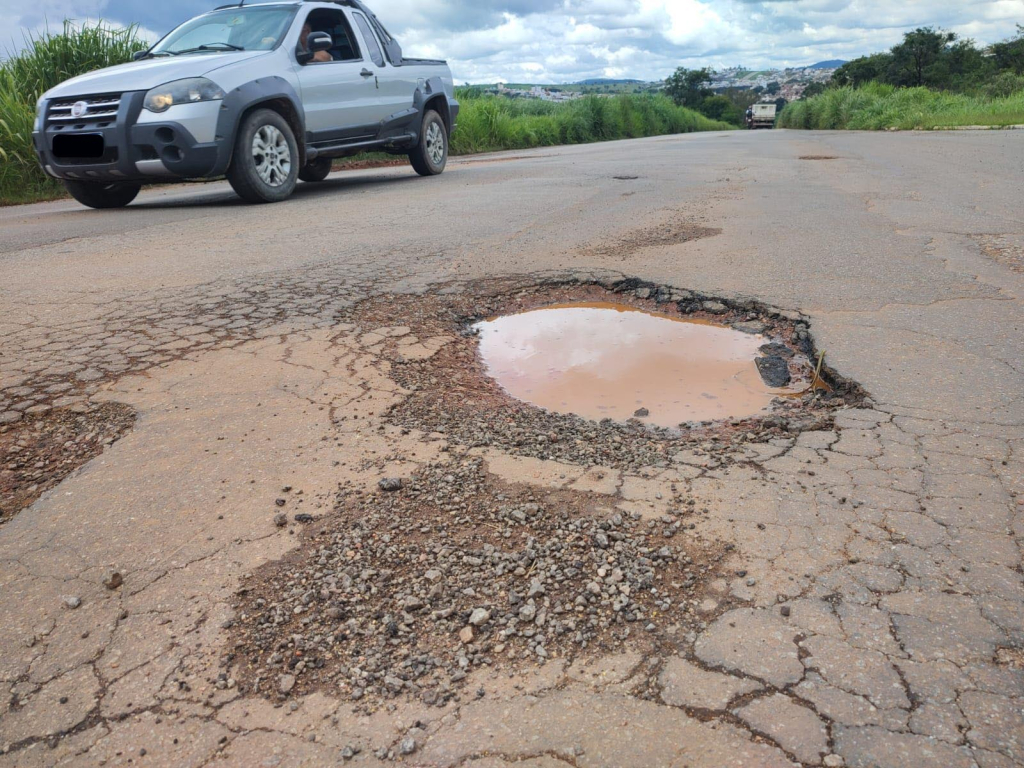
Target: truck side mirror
138,55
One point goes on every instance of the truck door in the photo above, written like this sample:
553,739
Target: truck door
394,88
340,96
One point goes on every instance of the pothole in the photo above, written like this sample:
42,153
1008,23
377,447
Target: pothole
604,360
408,588
451,392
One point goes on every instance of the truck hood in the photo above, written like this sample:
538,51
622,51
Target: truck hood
148,73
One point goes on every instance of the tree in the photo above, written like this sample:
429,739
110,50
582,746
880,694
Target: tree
772,88
812,90
1009,54
721,108
863,70
689,87
921,59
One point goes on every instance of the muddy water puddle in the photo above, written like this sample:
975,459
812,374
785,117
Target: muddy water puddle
602,360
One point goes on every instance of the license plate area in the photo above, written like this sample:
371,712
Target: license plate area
78,146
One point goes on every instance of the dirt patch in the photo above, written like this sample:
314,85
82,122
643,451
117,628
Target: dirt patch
451,392
819,157
672,232
407,591
1009,255
39,451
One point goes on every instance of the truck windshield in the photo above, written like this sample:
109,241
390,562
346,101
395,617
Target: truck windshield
234,29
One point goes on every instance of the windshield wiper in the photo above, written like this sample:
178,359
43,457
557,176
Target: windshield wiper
210,47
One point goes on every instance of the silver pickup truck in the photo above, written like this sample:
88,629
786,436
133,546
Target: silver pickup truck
264,94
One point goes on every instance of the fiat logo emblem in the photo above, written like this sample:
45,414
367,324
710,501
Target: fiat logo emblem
78,108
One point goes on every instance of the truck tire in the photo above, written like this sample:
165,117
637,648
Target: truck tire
318,170
100,195
430,154
265,163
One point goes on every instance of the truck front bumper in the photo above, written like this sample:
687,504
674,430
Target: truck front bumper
136,146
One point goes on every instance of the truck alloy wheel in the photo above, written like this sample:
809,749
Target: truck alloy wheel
430,154
271,156
264,167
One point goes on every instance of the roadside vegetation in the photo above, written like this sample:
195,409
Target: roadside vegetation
932,79
44,61
489,123
486,123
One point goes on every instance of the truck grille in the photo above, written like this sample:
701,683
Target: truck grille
93,111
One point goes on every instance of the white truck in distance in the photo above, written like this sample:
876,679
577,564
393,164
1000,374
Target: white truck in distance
265,94
761,116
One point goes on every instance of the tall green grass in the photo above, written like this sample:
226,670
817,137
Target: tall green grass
44,61
488,123
876,106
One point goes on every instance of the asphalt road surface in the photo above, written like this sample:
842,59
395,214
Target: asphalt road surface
893,540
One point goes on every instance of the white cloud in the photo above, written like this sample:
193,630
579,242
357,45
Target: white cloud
565,40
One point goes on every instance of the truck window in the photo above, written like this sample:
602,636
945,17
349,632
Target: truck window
369,39
336,25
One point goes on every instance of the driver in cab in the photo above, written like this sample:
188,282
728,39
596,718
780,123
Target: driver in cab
319,56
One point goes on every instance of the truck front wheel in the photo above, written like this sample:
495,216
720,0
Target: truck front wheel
430,154
99,195
265,164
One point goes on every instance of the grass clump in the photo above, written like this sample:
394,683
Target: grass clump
877,106
44,61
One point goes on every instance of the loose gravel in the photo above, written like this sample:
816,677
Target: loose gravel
408,590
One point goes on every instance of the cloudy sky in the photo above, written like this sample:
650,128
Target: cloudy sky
567,40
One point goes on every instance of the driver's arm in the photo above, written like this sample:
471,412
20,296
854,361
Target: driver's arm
322,56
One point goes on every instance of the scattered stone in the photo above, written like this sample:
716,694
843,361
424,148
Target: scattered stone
641,413
72,601
303,517
113,578
285,683
715,307
785,610
466,635
390,484
774,370
407,746
280,502
280,519
752,327
479,617
776,349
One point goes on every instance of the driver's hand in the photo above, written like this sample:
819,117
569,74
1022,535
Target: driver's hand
322,56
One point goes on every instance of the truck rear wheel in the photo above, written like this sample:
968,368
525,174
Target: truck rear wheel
318,170
265,164
100,195
430,154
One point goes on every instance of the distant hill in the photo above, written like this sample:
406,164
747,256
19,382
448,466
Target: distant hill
607,81
830,64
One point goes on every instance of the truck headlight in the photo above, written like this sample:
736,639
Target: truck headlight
189,91
40,109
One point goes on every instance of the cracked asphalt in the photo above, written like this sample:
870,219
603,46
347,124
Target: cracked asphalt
879,617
